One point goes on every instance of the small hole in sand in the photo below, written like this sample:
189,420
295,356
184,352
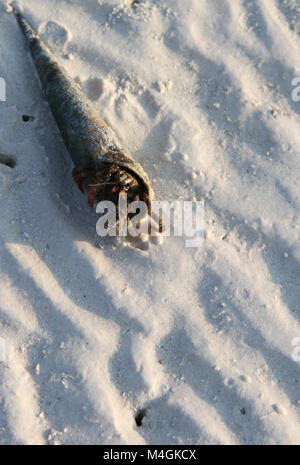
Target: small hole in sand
27,118
140,416
7,160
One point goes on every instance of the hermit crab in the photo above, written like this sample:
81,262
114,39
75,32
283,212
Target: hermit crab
103,169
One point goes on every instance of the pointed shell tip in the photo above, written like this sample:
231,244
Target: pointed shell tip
7,8
15,8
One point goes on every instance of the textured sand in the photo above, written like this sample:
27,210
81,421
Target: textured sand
200,91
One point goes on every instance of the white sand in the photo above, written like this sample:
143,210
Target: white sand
200,92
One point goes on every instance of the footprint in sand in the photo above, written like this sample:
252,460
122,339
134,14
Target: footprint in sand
93,88
54,33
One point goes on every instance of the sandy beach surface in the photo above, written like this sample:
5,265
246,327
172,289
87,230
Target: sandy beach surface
199,343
